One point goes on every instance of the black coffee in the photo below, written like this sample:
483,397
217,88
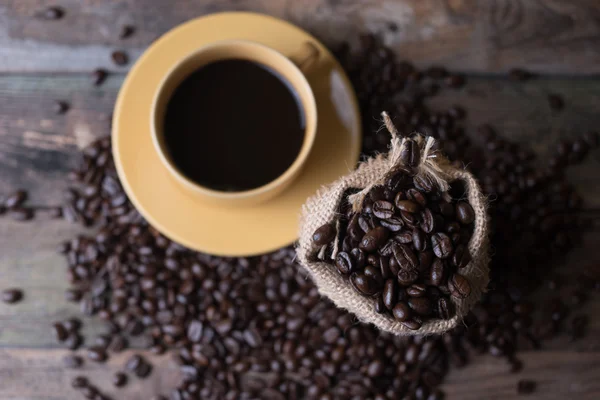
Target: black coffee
233,125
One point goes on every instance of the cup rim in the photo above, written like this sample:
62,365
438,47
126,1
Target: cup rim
287,175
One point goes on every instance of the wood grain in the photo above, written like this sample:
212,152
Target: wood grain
551,36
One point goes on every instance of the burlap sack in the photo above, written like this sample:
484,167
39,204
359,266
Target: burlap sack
321,208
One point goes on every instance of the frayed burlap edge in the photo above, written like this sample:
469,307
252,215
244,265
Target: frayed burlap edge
321,208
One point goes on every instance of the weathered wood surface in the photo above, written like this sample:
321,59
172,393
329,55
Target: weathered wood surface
551,36
44,61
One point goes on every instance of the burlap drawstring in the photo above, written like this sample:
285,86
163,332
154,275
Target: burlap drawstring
322,208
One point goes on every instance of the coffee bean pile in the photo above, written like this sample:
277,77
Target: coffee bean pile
256,327
406,246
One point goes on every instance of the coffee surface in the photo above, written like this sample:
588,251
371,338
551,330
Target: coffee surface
233,125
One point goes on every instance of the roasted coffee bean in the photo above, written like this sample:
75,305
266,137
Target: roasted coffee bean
556,102
118,343
461,257
394,224
60,332
390,293
134,362
74,341
374,239
407,277
424,183
119,379
344,263
16,199
411,324
97,354
416,290
324,235
401,312
441,245
73,295
525,386
464,213
420,305
119,57
12,295
425,260
438,272
143,371
410,154
72,324
72,361
428,223
52,13
459,286
359,257
445,308
383,209
126,31
408,206
373,272
419,240
409,219
60,107
379,306
398,180
403,237
405,257
417,197
99,76
79,382
364,284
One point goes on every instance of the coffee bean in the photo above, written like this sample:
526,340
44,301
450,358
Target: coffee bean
97,354
60,332
394,224
344,263
405,257
73,295
383,209
324,235
459,286
438,272
461,257
417,197
119,57
143,371
398,180
117,344
428,223
403,238
401,312
60,107
464,213
556,102
73,341
525,386
410,154
407,277
420,305
416,290
374,239
411,324
16,199
72,324
52,13
364,284
424,183
12,295
79,382
99,76
445,308
119,379
419,240
441,245
126,31
72,361
408,206
389,294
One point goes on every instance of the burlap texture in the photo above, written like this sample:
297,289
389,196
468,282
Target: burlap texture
321,208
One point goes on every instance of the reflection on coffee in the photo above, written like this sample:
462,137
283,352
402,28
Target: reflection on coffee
233,125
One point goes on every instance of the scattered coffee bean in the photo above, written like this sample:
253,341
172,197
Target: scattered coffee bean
12,296
52,13
525,386
73,341
126,31
60,332
16,199
119,57
61,107
72,361
99,76
79,382
97,354
22,213
119,379
556,102
72,324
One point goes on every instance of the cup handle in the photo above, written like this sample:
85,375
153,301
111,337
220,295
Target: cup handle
305,57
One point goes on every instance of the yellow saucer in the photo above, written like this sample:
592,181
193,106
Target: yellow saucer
227,231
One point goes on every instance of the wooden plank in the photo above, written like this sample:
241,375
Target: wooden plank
559,375
33,136
552,36
32,374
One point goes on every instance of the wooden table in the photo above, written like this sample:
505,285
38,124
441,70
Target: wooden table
43,61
